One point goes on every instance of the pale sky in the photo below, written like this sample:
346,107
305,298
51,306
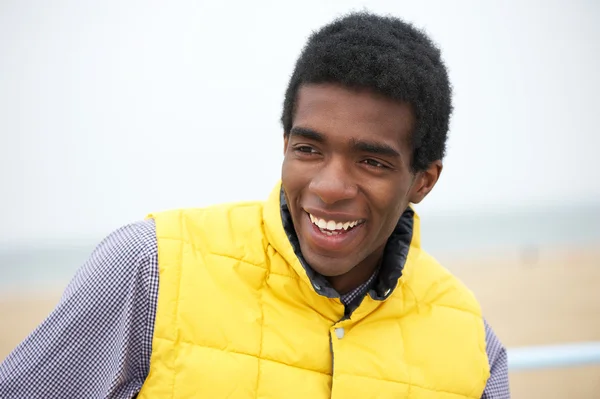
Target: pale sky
112,110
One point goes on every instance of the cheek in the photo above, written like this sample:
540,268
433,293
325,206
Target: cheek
295,174
291,177
285,170
389,205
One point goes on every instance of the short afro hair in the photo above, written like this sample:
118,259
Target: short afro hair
389,56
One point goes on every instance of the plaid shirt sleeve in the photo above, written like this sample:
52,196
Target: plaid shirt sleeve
96,343
98,340
497,385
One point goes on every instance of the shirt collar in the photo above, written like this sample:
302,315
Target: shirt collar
382,283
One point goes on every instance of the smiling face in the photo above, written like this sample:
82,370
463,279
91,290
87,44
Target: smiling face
347,178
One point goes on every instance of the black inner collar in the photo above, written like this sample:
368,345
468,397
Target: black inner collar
394,256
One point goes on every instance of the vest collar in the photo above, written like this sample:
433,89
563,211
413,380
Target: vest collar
280,232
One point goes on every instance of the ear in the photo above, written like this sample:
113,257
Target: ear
425,181
285,142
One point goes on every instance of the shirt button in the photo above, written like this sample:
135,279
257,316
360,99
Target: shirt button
339,332
317,287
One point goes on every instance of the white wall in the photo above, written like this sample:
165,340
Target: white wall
112,109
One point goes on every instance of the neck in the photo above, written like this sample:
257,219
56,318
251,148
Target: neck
358,275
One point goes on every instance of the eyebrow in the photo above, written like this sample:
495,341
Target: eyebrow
375,148
308,134
357,145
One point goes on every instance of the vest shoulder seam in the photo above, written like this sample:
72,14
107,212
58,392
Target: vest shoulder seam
270,272
419,303
232,257
471,312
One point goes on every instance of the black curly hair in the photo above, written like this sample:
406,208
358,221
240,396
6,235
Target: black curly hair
389,56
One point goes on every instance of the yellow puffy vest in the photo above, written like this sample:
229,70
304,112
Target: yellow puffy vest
238,317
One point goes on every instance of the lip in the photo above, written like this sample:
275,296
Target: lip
343,242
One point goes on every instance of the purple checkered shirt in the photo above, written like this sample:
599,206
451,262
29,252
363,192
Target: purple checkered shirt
97,342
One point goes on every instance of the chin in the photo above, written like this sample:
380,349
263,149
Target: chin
327,267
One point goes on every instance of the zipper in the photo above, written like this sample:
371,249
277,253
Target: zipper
345,317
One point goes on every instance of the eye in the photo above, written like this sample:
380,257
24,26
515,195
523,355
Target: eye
305,149
374,163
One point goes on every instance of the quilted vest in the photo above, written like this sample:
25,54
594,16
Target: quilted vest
238,316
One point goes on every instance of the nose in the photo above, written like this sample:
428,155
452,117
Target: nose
333,183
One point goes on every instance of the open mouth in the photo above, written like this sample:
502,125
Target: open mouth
333,227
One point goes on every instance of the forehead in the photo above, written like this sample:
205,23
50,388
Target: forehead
336,110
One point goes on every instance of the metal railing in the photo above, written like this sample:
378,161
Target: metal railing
553,356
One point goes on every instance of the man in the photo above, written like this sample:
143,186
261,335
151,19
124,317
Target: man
320,291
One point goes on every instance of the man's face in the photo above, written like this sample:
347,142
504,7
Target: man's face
346,174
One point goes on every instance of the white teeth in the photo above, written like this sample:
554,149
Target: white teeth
328,226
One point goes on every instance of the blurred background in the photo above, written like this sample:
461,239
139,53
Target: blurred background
111,110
